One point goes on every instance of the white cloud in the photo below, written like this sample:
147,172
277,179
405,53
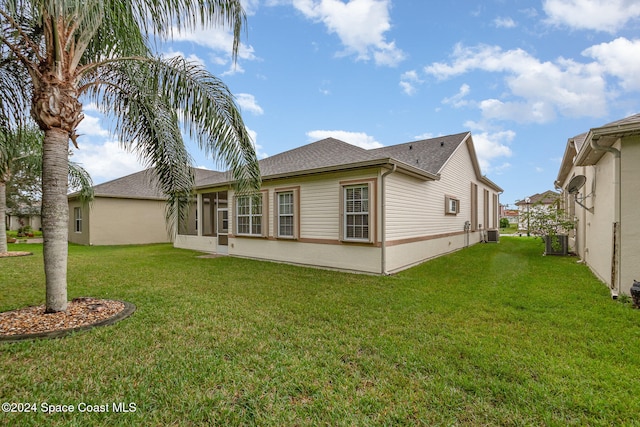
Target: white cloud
359,139
541,89
250,6
458,100
408,87
521,112
490,145
257,147
619,58
248,102
91,126
599,15
220,42
106,161
324,87
191,58
426,135
408,81
360,24
530,12
504,23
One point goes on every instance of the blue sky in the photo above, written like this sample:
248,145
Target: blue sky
522,76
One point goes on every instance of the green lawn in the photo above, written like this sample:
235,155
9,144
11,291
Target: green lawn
495,334
511,229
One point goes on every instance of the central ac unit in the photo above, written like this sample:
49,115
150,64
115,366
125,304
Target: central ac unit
493,236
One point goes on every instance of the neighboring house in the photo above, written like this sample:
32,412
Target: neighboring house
547,200
127,210
600,180
334,205
24,216
511,215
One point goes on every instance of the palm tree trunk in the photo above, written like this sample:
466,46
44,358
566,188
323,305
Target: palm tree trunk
3,216
55,216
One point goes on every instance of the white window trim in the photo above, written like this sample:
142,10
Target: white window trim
251,215
77,220
291,215
368,213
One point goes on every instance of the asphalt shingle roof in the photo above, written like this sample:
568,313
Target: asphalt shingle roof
428,155
325,153
545,198
143,185
626,121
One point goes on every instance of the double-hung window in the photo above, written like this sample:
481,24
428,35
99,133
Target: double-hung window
249,215
356,212
286,224
77,219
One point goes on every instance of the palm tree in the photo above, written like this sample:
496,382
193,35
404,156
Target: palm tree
100,51
21,150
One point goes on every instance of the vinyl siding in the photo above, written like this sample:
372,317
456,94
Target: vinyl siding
318,242
319,208
417,225
417,208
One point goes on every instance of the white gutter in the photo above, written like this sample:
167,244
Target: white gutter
617,236
383,219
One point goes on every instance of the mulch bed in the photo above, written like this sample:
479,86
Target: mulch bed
82,313
14,253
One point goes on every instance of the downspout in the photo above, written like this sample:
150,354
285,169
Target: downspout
199,203
383,219
585,244
615,257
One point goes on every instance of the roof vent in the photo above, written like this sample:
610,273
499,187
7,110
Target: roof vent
411,147
441,143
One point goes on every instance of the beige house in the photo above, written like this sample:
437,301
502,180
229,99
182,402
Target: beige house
539,201
600,182
23,216
333,205
127,210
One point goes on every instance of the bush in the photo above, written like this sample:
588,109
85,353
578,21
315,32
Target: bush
504,223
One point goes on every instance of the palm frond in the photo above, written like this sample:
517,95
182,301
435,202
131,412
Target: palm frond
149,99
163,18
80,181
211,117
148,126
14,91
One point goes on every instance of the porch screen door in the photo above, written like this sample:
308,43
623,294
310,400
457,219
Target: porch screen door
223,227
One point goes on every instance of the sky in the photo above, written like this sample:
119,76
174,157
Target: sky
521,76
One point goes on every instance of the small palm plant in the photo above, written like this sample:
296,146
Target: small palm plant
72,51
21,153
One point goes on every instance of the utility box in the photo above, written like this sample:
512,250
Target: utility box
493,236
635,293
556,245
